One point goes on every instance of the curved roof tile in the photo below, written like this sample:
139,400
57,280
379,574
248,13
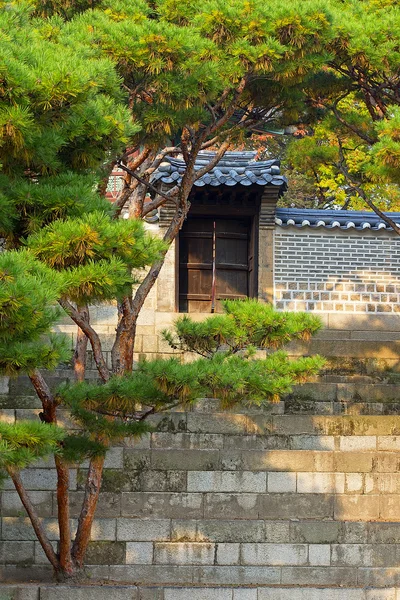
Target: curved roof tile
343,219
234,168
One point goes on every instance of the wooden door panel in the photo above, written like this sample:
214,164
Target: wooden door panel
207,244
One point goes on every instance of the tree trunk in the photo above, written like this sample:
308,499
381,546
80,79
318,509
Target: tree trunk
92,491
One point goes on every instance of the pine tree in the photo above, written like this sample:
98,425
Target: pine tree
133,74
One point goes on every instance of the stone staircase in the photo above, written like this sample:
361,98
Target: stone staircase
299,500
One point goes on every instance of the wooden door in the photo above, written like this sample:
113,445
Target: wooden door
213,263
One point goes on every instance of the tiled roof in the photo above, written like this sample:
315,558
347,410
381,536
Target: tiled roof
343,219
233,168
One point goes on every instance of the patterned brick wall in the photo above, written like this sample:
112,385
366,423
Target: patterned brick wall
331,270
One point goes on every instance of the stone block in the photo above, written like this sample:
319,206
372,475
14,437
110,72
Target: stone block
190,460
154,574
381,594
294,593
231,506
185,531
318,533
240,575
296,506
320,483
106,553
274,554
357,443
103,530
388,462
277,531
41,479
354,532
319,555
197,594
228,554
313,442
231,531
388,442
379,577
219,481
139,553
162,505
281,482
356,508
147,317
20,529
384,533
355,555
354,483
329,576
12,573
278,460
143,530
354,462
11,505
40,557
151,593
16,553
217,423
19,592
7,415
92,592
389,508
150,343
186,553
245,594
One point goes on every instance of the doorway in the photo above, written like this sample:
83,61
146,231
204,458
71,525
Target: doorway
216,261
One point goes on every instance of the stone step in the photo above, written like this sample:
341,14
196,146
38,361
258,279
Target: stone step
133,592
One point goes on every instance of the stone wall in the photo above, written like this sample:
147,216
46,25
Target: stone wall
327,270
306,493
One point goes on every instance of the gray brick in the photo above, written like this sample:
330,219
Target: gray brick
231,531
17,553
162,505
95,592
143,530
340,576
139,553
214,481
274,554
184,553
11,505
228,554
240,575
231,506
296,506
190,460
197,594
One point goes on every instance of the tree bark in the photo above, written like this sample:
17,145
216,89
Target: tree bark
63,514
92,491
80,354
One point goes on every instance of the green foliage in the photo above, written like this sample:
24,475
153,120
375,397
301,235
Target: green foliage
228,344
95,255
244,324
60,120
28,292
26,441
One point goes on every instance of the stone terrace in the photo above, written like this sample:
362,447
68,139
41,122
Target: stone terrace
245,498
